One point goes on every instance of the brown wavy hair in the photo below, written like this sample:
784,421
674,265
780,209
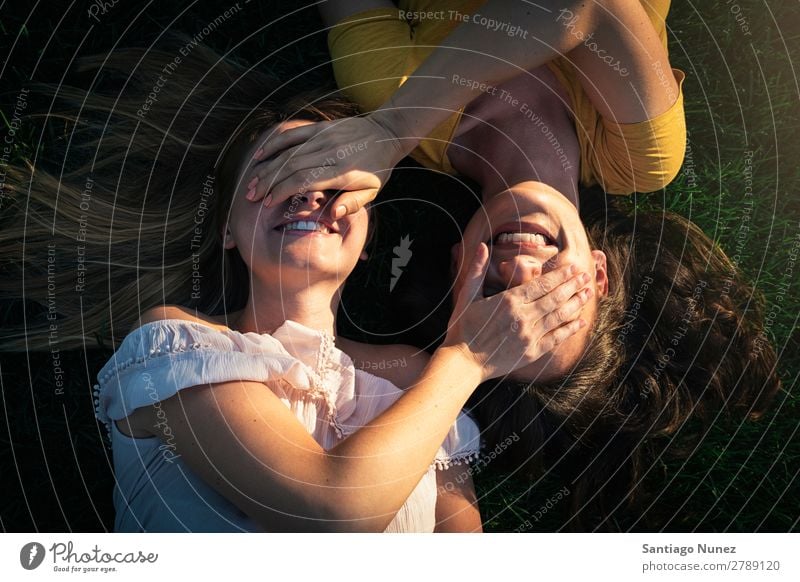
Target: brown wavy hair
678,341
127,211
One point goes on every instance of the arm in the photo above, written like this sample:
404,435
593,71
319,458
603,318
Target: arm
402,365
589,34
242,440
628,90
456,502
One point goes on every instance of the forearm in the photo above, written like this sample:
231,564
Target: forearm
244,442
393,452
456,501
251,449
624,68
475,58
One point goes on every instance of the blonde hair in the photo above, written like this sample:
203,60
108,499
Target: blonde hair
127,212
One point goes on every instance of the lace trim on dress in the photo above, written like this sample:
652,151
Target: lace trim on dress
154,352
464,458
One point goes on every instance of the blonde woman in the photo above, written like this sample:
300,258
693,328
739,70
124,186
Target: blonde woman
232,404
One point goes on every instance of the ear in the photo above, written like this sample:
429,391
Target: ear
456,258
227,239
600,273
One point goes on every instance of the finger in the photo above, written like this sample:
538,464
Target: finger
473,284
289,138
351,202
541,286
266,176
296,154
560,295
568,311
313,180
554,338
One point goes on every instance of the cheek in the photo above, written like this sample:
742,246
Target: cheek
247,225
358,232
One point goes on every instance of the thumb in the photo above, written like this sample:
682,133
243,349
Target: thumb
473,285
352,202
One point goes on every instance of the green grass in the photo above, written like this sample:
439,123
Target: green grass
741,95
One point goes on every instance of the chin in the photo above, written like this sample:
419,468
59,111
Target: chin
310,271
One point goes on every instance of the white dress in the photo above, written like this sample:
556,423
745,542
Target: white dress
156,491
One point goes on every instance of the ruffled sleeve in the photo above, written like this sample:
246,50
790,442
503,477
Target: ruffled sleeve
461,446
160,358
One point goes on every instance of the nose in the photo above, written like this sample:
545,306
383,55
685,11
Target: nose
312,199
518,270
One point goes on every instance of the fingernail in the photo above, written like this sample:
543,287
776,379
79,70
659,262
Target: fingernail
252,183
572,269
258,154
585,278
268,200
581,323
339,212
251,193
587,292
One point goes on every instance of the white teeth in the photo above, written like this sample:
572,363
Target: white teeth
524,237
306,225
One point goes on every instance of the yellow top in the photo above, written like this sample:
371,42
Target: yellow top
374,52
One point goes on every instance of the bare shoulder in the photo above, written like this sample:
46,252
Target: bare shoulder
398,363
163,312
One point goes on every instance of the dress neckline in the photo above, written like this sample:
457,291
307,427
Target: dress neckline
315,348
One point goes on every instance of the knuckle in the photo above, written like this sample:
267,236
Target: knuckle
535,290
266,179
556,338
563,294
263,170
289,166
546,343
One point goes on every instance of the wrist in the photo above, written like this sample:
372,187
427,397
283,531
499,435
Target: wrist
458,359
399,124
396,123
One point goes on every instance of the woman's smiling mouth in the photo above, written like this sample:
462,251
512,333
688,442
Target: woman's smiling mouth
521,234
312,225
